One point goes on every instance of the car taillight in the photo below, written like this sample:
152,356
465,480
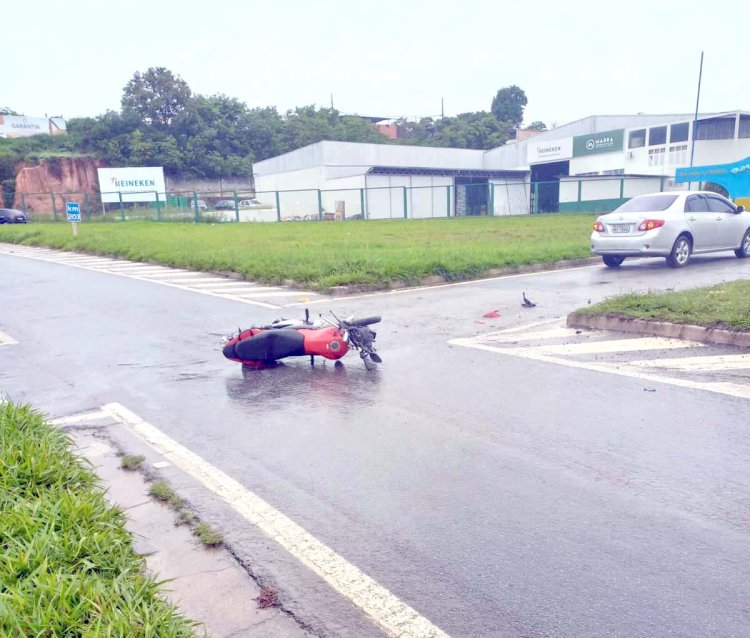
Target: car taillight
598,227
650,224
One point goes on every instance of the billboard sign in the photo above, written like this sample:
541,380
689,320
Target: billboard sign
604,142
22,126
549,151
132,183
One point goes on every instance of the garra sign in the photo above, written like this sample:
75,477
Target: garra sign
604,142
549,151
132,184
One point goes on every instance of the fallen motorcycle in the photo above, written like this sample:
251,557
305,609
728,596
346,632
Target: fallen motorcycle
262,346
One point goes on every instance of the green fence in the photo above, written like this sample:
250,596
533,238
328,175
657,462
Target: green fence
491,198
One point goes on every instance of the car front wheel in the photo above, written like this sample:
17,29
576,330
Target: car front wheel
744,249
613,261
681,251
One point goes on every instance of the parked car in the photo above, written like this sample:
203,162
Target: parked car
201,204
13,216
225,204
673,225
250,203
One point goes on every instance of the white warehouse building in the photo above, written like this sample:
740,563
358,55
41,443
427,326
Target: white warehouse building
344,179
592,164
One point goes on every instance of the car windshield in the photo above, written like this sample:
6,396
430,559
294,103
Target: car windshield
647,203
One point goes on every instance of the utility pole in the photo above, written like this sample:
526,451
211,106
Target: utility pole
442,107
695,120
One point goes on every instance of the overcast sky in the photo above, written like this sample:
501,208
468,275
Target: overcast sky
387,58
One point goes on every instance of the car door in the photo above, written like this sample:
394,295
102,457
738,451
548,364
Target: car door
729,228
701,223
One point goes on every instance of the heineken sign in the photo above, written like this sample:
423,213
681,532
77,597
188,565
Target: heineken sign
604,142
132,184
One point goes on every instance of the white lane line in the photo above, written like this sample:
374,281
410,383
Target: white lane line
7,340
395,617
699,364
731,389
619,345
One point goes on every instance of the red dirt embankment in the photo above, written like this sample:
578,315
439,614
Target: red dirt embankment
69,178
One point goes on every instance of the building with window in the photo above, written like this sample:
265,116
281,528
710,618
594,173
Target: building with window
595,164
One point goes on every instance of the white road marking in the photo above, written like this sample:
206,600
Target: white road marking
619,345
83,417
731,389
57,258
231,284
505,337
699,364
395,617
7,340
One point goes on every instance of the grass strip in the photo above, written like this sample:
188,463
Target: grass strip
67,563
325,254
724,306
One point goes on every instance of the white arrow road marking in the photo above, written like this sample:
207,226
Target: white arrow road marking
395,617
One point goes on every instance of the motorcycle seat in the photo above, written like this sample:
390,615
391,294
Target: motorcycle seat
271,345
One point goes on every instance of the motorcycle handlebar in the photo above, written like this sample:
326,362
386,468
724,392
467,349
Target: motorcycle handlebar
364,321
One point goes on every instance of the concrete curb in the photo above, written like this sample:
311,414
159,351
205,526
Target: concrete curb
659,329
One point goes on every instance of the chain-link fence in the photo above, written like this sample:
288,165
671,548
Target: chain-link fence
490,198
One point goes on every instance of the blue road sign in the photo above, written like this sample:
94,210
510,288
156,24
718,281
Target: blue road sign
73,209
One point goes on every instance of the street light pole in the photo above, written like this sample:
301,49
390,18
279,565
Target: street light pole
695,120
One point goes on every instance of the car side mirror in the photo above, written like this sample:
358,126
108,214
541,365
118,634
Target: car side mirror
740,209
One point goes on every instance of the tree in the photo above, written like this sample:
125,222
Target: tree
156,96
479,130
4,110
537,125
508,105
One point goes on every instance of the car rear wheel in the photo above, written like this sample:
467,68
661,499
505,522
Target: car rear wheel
681,251
613,261
744,249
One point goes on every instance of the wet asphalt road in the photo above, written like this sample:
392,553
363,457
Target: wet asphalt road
497,496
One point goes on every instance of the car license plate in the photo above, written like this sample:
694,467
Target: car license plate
620,228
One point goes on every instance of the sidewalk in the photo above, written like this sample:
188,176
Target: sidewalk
208,585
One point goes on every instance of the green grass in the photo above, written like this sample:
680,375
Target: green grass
724,306
67,564
208,535
132,462
164,493
321,255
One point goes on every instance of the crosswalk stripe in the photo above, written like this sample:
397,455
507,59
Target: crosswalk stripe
620,345
505,337
699,364
731,389
6,340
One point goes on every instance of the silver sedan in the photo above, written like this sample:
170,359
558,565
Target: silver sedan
674,225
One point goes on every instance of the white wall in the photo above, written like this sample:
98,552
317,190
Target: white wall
598,162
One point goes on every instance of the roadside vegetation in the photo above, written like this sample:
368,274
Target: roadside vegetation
725,306
67,565
321,255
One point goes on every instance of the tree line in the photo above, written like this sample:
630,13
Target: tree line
163,123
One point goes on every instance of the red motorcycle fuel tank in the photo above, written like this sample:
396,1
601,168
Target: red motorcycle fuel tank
325,342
